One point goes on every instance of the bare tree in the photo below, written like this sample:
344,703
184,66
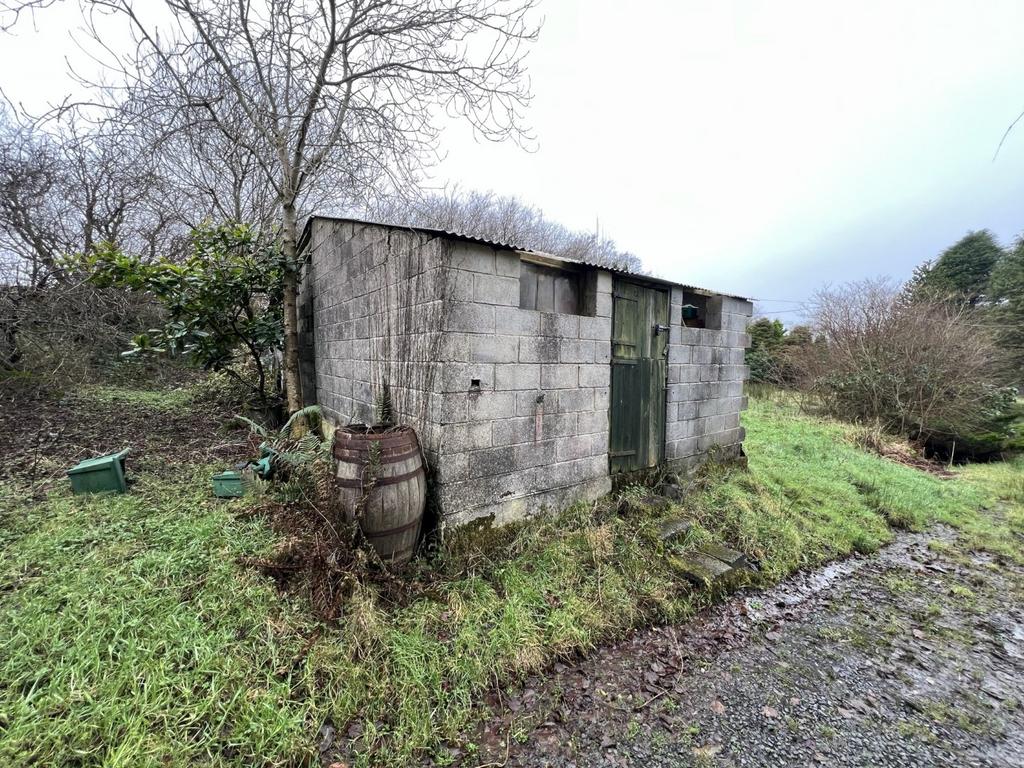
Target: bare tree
925,369
64,191
350,90
505,219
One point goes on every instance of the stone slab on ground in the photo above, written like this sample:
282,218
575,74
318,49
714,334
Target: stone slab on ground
702,570
674,530
727,555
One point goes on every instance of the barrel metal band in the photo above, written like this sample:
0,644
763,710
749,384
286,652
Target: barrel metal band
385,459
355,482
392,531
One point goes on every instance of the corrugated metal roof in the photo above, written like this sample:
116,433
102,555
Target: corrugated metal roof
463,237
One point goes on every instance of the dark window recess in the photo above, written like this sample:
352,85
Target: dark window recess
695,310
548,289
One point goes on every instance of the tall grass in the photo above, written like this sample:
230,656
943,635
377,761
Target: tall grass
129,636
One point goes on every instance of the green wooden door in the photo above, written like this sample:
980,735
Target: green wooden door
639,366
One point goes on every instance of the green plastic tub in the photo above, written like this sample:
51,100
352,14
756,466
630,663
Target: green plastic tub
228,485
104,474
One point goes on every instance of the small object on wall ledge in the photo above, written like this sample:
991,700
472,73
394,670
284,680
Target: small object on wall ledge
103,474
228,484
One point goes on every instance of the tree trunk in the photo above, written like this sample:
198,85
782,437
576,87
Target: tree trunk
292,381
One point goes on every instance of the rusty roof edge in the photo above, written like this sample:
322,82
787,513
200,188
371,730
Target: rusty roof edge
436,231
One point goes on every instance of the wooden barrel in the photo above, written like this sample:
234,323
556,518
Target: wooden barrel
383,486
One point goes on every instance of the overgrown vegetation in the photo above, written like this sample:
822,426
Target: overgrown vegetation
924,369
223,303
133,633
938,359
774,351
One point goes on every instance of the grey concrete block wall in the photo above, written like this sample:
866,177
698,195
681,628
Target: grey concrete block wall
373,296
524,401
511,405
706,372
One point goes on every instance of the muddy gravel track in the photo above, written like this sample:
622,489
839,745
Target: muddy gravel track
911,657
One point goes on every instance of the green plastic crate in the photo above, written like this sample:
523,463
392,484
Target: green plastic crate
228,484
104,474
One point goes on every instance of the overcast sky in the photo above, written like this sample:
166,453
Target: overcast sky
762,148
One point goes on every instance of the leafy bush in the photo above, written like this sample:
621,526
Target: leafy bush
772,349
923,368
223,303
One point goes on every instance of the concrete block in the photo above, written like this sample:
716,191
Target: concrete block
680,334
517,376
603,352
701,355
730,420
713,439
458,377
451,467
733,322
472,258
462,288
560,325
596,375
679,353
518,322
709,372
507,264
675,393
593,421
539,349
575,400
595,328
713,338
456,347
604,281
681,449
679,430
603,305
490,405
559,376
533,454
580,446
737,340
687,374
527,405
733,356
570,351
737,306
493,289
602,398
713,313
513,431
491,349
471,318
707,408
735,373
687,410
465,436
491,461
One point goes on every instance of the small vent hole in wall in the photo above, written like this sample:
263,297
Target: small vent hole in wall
474,385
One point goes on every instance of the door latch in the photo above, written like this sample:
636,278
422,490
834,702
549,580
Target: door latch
660,329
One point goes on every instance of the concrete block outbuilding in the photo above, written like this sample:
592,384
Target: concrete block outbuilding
531,379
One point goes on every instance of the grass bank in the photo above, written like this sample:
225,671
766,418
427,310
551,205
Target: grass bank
129,636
